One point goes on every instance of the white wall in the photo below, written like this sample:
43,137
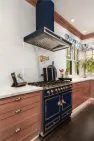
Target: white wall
17,19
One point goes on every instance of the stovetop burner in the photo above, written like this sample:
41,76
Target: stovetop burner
51,84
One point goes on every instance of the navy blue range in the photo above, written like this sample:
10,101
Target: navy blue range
57,103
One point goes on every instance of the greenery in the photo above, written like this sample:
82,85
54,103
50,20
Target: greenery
68,66
88,65
77,65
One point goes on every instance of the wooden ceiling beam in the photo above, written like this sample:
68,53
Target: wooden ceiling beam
88,36
60,20
33,2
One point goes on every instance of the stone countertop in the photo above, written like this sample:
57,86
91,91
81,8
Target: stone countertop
76,80
8,91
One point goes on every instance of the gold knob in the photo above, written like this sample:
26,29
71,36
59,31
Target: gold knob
18,111
18,99
18,130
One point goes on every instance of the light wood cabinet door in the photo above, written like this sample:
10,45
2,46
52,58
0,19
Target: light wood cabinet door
81,93
20,117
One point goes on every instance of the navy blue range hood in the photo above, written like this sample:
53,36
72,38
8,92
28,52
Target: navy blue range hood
44,35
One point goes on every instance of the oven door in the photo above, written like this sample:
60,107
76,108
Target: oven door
52,107
67,101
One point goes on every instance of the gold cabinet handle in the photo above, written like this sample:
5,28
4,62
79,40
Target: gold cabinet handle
18,130
18,99
18,111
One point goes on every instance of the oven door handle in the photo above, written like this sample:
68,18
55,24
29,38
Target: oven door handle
63,102
59,103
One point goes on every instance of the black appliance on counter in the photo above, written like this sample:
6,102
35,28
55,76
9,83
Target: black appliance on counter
49,73
16,82
57,103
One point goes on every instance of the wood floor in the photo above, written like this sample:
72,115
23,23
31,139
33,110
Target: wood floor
79,128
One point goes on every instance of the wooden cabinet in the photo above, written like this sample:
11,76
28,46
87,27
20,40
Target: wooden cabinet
92,88
81,93
20,117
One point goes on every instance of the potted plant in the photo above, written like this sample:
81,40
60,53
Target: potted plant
90,65
87,65
84,65
61,72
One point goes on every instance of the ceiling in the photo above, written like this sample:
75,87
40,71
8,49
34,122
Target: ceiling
81,10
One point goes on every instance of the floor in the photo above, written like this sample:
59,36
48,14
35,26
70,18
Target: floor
79,128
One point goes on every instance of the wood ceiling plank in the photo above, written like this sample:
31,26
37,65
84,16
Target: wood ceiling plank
60,20
88,36
33,2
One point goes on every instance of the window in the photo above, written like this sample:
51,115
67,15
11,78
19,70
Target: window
90,54
90,61
72,60
93,54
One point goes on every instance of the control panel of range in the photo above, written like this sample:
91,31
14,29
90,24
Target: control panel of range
57,90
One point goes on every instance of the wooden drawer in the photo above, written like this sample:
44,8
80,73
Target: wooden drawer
81,93
18,102
77,98
13,118
21,130
19,111
20,117
81,85
77,86
23,96
25,135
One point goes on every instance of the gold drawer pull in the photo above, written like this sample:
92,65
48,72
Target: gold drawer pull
18,99
18,130
18,111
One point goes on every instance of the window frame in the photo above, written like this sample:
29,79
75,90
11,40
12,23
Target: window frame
73,61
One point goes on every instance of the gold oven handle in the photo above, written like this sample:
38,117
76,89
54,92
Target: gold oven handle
63,102
59,103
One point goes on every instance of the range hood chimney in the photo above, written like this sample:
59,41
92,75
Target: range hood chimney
45,14
44,35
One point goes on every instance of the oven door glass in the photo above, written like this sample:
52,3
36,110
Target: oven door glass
67,100
52,108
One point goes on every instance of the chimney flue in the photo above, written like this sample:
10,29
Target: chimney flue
45,14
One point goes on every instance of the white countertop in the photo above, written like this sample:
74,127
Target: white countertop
75,80
8,91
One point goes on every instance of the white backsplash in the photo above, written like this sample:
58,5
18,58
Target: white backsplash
17,19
